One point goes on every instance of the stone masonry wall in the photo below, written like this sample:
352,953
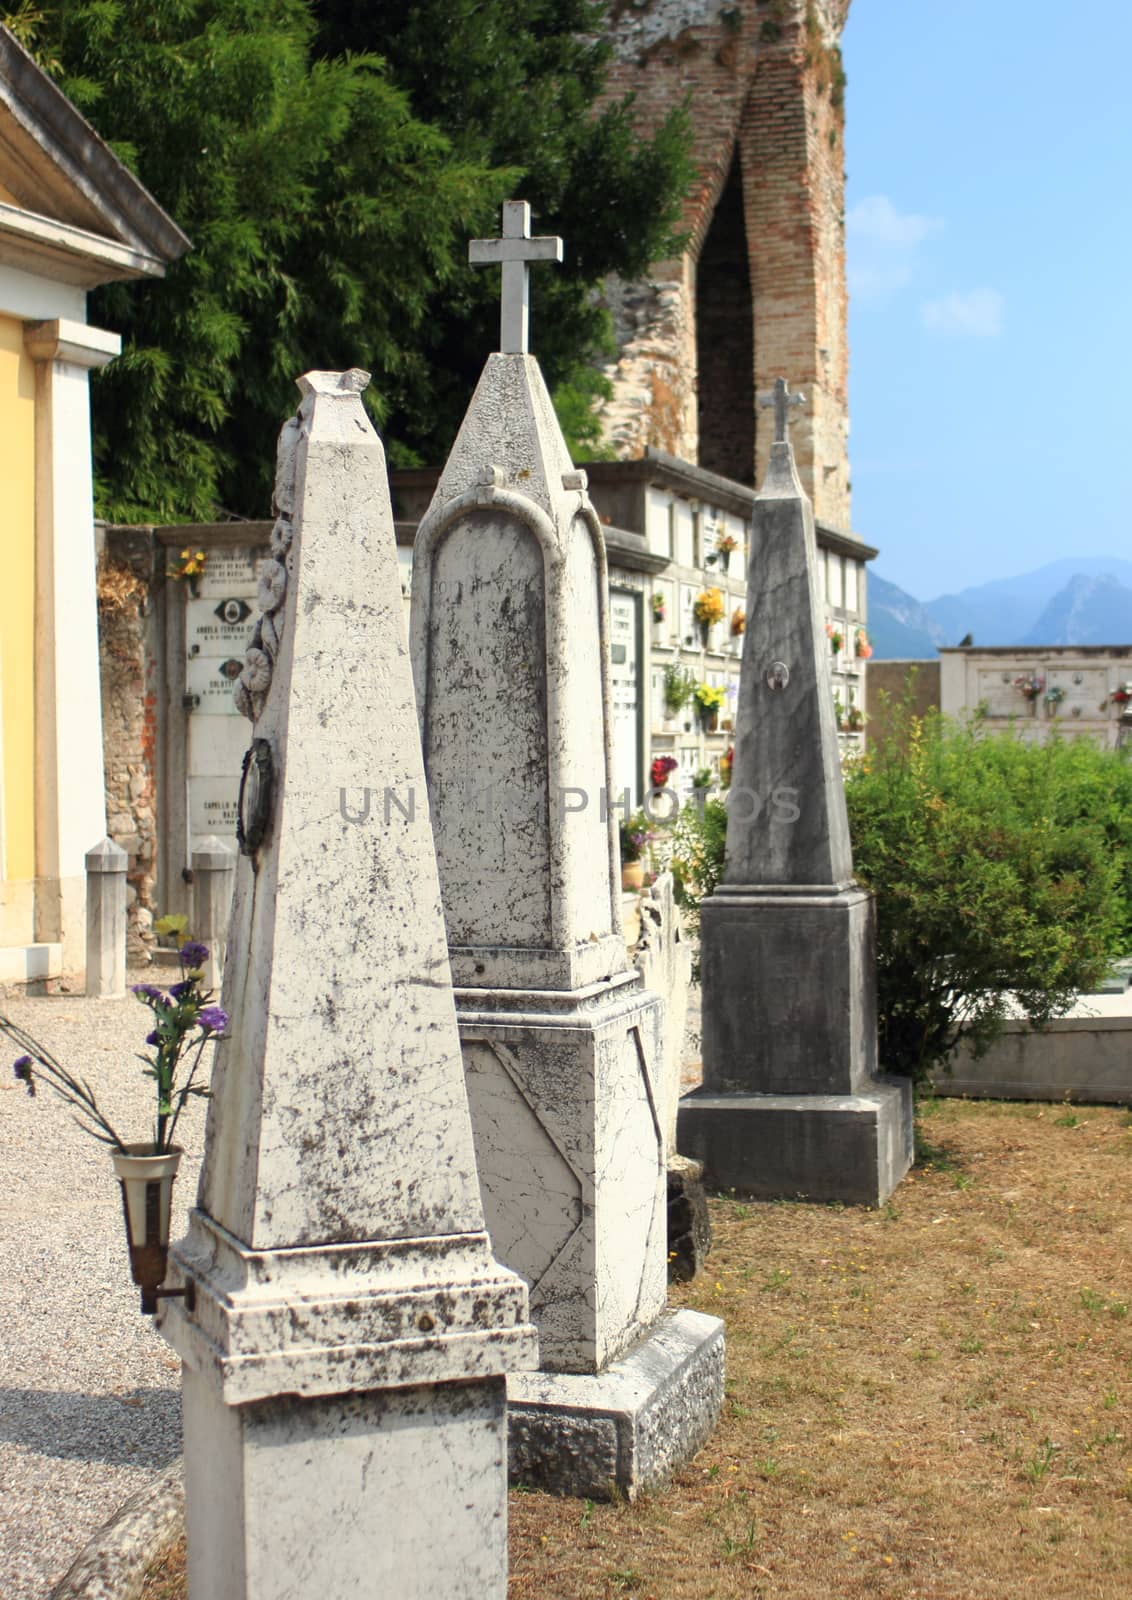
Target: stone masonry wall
765,82
129,718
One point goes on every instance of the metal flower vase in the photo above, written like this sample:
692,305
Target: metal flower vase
147,1192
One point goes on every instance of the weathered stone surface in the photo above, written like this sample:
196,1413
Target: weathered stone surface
789,992
689,1221
562,1046
346,1345
854,1148
114,1563
628,1428
788,938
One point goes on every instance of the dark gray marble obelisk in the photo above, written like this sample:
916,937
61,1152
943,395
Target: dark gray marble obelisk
791,1102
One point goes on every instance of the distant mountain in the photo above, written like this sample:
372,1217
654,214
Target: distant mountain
900,629
1007,611
1088,610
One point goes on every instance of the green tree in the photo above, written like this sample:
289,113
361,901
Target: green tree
329,209
522,84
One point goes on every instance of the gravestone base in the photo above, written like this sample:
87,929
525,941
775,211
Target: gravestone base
789,996
566,1103
290,1496
855,1147
626,1429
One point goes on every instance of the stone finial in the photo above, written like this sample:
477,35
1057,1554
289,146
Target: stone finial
514,252
780,398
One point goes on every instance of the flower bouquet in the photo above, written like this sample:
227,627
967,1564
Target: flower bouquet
184,1020
709,702
708,609
836,638
862,646
738,622
661,769
1030,684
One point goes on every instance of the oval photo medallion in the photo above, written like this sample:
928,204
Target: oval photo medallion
253,810
778,675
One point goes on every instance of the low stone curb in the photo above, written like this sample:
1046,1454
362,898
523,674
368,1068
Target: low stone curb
114,1564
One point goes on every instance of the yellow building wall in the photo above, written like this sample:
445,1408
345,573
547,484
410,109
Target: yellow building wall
17,603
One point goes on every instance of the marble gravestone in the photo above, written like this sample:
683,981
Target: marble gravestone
348,1331
791,1103
510,643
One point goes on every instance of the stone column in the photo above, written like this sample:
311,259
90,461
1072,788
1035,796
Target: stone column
214,867
510,641
349,1331
791,1103
106,867
70,805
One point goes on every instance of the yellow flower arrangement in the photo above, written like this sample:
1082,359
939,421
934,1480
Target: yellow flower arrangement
709,607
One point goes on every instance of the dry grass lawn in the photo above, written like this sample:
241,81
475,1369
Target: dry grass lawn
931,1401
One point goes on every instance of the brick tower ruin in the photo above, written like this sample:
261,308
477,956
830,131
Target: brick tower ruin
760,288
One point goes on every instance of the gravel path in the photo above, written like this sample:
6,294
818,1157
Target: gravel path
89,1394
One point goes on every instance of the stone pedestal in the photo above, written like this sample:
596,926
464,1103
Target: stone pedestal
791,1103
106,866
348,1328
214,867
562,1044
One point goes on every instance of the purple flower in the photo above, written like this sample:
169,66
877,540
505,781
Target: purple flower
146,991
213,1019
153,1038
180,990
194,955
24,1074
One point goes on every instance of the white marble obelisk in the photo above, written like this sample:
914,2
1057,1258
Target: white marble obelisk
510,640
349,1328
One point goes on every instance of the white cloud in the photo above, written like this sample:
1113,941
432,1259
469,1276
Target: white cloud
881,244
976,314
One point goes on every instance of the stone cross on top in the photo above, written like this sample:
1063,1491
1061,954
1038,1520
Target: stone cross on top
780,399
514,253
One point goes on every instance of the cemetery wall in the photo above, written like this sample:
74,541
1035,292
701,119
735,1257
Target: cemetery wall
1085,691
130,595
766,89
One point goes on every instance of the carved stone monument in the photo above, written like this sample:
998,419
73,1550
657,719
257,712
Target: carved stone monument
791,1102
510,640
347,1329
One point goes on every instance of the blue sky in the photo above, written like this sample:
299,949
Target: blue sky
989,228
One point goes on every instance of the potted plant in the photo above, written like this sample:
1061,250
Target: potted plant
862,646
634,831
661,770
1055,694
184,1020
709,702
725,544
708,610
701,784
839,713
836,638
855,719
659,614
677,688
